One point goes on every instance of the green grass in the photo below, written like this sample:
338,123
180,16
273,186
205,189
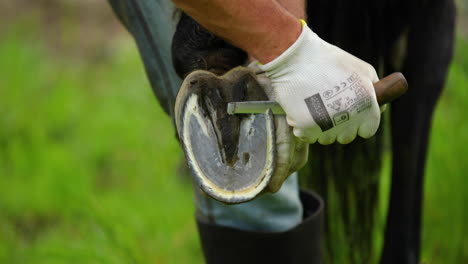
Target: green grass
88,163
445,233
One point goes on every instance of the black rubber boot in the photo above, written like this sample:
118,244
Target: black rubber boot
301,244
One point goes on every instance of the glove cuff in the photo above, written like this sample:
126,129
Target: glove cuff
284,59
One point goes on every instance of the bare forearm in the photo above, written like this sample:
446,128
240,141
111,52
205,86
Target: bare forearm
295,7
263,28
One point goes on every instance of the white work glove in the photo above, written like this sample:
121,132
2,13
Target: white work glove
327,93
292,153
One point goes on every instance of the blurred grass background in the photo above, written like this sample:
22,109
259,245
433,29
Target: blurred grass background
89,162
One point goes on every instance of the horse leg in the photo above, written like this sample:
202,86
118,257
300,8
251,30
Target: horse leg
429,51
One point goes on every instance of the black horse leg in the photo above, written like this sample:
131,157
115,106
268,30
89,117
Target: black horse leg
195,48
429,51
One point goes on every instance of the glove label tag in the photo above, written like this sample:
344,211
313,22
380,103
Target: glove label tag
319,112
342,101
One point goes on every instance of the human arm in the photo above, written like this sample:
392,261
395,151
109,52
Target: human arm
263,28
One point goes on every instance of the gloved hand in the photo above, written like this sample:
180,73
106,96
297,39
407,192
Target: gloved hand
292,153
327,93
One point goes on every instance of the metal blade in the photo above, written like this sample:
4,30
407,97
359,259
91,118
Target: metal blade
254,107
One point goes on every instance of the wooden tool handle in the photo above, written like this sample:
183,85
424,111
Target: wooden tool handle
390,88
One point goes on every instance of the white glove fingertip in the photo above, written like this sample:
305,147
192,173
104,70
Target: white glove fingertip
327,139
276,182
300,134
383,108
301,155
346,138
369,128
